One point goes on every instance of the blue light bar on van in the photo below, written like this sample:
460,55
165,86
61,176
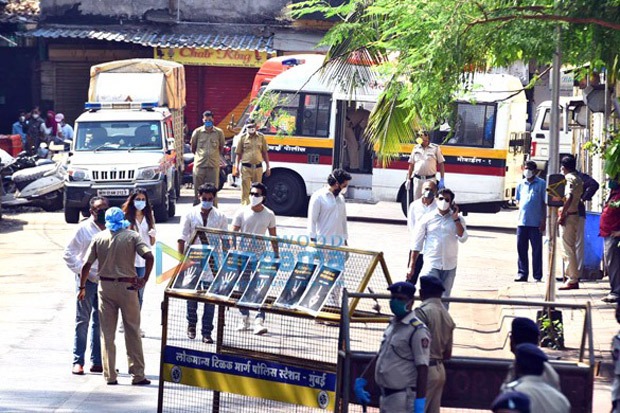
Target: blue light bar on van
92,106
148,105
291,62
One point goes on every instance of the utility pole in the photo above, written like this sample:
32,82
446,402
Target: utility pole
553,166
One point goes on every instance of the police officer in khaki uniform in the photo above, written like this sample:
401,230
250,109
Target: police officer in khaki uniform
435,316
252,150
401,366
529,367
569,222
207,144
525,330
425,159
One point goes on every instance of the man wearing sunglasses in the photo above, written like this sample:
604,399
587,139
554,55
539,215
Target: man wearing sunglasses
439,233
255,218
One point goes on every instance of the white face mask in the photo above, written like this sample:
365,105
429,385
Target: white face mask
251,131
528,173
140,205
344,190
443,205
22,118
256,200
35,116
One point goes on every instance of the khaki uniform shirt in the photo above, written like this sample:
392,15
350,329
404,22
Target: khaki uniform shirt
574,186
209,146
116,252
251,148
549,376
435,316
425,160
543,398
405,345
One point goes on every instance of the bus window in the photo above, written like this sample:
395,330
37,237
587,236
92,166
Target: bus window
315,120
474,126
283,117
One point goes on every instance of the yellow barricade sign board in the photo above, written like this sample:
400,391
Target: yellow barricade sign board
250,377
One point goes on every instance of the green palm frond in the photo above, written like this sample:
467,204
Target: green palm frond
391,124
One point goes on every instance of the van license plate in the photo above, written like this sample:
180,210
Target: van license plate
112,192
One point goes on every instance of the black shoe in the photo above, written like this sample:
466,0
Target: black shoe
538,279
112,383
521,279
207,340
144,382
191,332
560,279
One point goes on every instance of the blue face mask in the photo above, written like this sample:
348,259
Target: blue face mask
398,307
208,124
206,204
140,205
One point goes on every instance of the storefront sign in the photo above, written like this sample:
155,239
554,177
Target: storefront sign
213,57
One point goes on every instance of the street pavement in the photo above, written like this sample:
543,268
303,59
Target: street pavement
37,304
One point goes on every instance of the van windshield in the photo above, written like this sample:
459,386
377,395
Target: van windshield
546,122
118,136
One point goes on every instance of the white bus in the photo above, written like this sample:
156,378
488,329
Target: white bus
484,155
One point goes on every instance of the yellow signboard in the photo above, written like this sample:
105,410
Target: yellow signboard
212,57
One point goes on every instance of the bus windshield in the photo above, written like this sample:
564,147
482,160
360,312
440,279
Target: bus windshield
118,135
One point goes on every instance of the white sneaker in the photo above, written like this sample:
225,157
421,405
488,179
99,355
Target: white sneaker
244,324
259,326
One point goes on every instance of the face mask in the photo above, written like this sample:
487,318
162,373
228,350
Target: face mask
398,307
612,185
344,190
429,194
208,124
22,118
35,116
251,131
100,219
528,173
256,200
443,205
206,204
140,205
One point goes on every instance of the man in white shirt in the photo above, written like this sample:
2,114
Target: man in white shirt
75,255
439,233
65,131
417,210
204,215
327,213
256,218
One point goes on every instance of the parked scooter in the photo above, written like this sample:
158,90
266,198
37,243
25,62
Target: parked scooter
33,181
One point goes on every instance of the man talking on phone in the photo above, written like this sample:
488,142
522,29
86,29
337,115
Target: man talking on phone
439,232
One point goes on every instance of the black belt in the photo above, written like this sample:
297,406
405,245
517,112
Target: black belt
423,176
385,392
119,279
434,362
249,165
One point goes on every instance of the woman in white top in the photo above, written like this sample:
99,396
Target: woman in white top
139,213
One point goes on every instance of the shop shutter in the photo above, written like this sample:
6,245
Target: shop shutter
71,83
193,103
227,91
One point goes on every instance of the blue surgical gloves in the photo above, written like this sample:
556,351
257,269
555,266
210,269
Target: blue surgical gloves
419,405
441,184
361,394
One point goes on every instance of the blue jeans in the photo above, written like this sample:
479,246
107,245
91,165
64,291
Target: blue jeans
447,278
533,236
87,310
207,315
141,271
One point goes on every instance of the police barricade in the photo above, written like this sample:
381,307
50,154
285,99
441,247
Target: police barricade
297,284
471,382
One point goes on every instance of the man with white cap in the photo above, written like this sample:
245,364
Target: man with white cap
115,250
65,131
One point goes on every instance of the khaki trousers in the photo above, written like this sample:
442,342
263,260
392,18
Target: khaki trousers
570,254
436,381
248,177
114,296
203,176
